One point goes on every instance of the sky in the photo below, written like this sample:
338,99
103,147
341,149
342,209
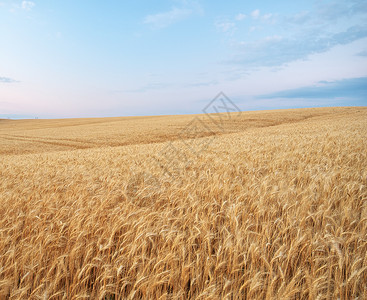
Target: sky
61,59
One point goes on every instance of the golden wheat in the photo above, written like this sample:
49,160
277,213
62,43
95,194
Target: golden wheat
271,206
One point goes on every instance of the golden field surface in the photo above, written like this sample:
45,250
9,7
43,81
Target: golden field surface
257,205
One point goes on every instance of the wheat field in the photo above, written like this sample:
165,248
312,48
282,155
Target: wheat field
257,205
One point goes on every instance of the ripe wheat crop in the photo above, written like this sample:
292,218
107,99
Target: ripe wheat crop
273,207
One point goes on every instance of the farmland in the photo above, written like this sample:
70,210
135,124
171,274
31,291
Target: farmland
257,205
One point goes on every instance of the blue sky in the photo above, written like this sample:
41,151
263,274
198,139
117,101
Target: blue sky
122,58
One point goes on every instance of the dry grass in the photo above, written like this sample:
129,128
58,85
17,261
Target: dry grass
274,208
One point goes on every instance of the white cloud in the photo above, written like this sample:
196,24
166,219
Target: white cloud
273,38
253,28
299,18
362,53
7,80
267,16
274,51
226,26
240,17
255,14
165,19
27,5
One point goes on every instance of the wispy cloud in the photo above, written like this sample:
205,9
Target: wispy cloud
7,80
226,26
147,87
155,86
165,19
255,14
295,36
277,50
352,88
299,18
268,18
240,17
204,83
362,53
328,13
27,5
